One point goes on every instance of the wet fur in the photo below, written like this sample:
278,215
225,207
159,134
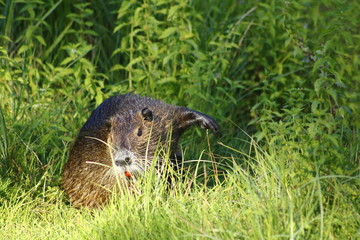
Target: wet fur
129,125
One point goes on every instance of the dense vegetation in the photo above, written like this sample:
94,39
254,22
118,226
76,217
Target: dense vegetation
281,77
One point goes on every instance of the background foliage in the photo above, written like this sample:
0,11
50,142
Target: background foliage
281,77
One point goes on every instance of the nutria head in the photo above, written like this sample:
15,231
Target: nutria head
121,137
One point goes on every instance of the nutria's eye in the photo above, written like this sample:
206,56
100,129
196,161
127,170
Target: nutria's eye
147,114
139,133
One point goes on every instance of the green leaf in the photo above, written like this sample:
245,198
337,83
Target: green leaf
124,7
173,11
41,40
67,60
23,48
169,57
134,61
319,83
166,80
99,96
169,31
117,67
314,106
119,27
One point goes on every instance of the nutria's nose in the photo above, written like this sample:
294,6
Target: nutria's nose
120,163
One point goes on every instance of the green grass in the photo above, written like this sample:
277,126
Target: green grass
281,78
267,203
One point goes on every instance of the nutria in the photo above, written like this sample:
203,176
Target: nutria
119,141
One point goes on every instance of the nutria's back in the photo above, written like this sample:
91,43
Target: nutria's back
119,140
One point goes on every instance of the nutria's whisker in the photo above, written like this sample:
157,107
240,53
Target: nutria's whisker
97,163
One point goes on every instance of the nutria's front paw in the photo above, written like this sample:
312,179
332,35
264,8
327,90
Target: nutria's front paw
207,122
204,121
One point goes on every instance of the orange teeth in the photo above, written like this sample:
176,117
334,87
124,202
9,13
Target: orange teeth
127,174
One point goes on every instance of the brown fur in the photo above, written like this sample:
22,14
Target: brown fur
120,136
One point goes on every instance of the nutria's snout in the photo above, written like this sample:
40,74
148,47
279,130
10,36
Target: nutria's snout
123,162
120,138
126,161
123,158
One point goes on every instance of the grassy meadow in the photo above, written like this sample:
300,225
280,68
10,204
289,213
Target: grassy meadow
282,78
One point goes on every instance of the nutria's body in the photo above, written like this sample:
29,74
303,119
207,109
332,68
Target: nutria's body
119,140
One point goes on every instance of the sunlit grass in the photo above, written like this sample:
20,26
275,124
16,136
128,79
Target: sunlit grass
267,201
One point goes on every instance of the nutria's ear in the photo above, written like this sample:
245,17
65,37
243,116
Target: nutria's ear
190,117
107,123
147,114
